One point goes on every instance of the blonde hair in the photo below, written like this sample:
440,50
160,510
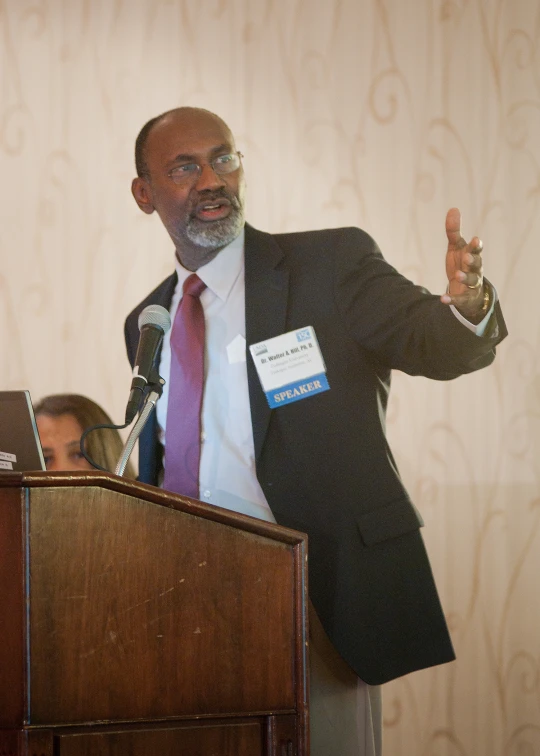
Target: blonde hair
103,445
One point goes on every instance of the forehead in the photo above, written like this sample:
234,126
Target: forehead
61,429
192,133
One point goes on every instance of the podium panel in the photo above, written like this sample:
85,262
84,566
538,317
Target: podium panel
180,625
246,739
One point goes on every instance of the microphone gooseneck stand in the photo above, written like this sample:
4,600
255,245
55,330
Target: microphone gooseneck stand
155,384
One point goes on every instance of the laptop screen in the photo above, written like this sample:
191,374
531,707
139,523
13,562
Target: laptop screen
20,447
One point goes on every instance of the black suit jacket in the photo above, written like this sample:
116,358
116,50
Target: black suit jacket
324,463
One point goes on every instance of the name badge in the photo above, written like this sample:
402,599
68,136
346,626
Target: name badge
290,366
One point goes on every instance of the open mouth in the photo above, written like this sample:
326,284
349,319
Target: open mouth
213,210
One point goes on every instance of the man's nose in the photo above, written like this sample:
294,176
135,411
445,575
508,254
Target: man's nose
208,178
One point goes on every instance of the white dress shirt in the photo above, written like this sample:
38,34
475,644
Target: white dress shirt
227,475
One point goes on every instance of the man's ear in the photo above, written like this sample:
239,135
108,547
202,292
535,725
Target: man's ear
142,194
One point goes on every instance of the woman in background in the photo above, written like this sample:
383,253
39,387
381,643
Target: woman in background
61,420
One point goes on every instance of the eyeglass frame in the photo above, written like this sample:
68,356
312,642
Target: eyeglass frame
211,163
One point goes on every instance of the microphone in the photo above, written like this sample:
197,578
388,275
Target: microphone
154,322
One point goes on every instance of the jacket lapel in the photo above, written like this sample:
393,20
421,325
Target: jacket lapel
267,288
164,293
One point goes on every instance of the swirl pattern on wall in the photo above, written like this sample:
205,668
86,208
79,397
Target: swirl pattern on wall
381,114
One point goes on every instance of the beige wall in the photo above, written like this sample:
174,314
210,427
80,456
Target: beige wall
382,114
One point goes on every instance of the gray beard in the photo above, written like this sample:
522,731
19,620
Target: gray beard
218,234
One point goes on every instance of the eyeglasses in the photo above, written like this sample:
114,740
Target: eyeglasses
221,165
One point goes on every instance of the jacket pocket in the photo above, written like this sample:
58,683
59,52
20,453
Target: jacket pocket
390,521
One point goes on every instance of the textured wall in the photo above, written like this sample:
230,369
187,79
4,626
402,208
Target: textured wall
382,114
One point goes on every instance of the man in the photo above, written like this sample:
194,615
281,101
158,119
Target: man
318,462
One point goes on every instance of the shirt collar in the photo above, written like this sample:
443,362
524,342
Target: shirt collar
220,273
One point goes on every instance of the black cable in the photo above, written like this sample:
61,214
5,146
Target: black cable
93,428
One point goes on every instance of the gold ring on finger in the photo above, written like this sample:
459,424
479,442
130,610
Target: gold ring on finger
477,285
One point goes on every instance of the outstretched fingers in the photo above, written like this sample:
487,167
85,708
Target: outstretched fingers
453,228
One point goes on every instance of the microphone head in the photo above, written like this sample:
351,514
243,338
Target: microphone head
155,315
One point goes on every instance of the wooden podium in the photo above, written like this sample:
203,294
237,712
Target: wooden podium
137,623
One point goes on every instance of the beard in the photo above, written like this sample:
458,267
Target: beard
219,233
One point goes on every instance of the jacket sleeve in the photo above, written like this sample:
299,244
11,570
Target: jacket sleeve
408,328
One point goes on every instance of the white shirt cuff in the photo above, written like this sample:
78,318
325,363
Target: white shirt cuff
479,328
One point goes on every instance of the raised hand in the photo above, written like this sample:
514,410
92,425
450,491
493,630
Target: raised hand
463,268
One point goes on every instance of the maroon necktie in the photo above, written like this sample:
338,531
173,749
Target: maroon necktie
183,431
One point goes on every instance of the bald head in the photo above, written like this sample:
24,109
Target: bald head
184,117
